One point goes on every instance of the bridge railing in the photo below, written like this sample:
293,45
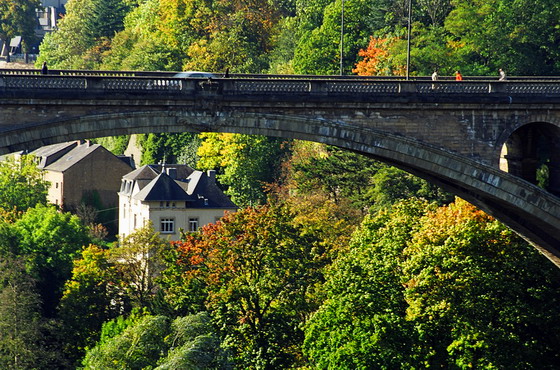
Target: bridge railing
250,85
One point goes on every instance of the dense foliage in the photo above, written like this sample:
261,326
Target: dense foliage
333,260
21,184
257,268
448,288
475,36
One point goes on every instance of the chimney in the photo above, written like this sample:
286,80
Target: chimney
211,174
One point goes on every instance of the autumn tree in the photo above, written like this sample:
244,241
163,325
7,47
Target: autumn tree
376,59
258,269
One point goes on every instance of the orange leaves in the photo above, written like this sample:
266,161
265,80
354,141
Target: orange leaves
377,59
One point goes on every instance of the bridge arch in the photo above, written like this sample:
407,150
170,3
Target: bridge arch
527,209
532,152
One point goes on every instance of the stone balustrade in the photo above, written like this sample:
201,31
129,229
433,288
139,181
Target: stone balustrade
153,82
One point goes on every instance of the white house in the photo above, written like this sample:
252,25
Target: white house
172,197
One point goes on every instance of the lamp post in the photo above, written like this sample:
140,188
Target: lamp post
341,37
408,40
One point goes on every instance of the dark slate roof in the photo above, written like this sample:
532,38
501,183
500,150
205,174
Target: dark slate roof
127,159
51,153
206,192
60,157
195,187
145,172
162,188
150,171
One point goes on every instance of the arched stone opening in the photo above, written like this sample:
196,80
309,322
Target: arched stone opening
532,152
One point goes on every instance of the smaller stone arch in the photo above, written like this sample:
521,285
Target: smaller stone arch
532,152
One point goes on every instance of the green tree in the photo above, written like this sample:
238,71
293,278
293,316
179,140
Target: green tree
21,184
50,241
361,324
156,342
64,47
20,319
138,258
83,35
519,36
245,163
141,45
18,18
478,295
194,344
169,148
91,297
318,48
115,144
107,18
449,287
345,176
137,347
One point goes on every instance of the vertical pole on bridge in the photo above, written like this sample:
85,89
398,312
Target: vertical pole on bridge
408,40
341,38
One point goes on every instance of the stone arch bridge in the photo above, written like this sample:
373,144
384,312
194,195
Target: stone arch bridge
486,141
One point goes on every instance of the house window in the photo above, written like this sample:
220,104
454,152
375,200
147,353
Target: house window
193,224
167,225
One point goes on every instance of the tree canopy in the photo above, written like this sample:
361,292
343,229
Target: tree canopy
445,287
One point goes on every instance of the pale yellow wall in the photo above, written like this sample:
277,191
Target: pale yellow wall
56,180
152,211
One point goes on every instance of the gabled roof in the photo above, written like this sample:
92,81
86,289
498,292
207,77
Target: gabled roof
162,188
177,183
145,172
73,156
206,192
51,153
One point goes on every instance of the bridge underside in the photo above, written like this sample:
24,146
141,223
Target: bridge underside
525,208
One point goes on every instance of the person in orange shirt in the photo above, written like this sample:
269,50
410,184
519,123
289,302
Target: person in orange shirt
458,76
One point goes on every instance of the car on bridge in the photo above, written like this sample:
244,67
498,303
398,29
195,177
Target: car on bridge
194,74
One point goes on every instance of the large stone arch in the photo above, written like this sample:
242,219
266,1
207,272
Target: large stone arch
532,152
527,209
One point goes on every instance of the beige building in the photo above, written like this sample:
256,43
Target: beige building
173,197
80,172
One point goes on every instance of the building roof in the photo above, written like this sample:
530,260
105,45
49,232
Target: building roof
51,153
162,188
176,182
60,157
207,192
